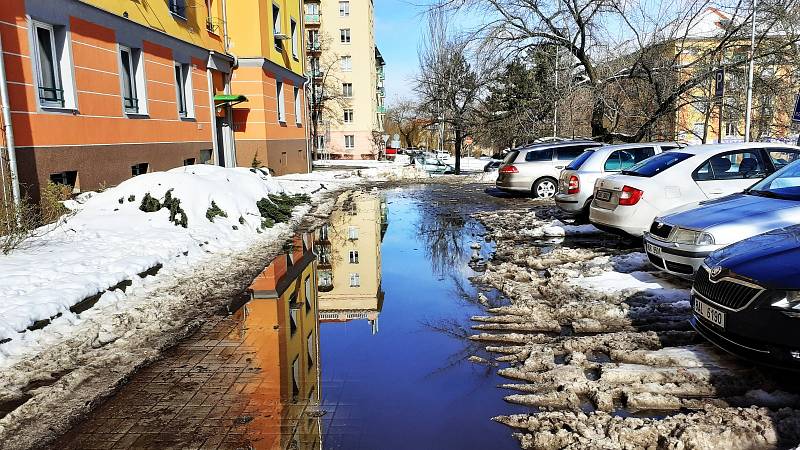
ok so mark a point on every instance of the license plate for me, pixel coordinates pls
(709, 313)
(603, 196)
(655, 250)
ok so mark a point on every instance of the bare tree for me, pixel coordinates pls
(450, 83)
(639, 62)
(404, 118)
(325, 91)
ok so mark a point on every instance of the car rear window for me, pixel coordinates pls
(510, 157)
(657, 164)
(578, 162)
(539, 155)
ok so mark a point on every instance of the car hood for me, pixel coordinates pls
(738, 212)
(769, 259)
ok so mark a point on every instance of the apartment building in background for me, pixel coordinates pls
(270, 126)
(104, 90)
(341, 39)
(349, 268)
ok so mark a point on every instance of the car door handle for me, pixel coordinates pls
(559, 167)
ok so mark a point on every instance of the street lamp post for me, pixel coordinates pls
(748, 114)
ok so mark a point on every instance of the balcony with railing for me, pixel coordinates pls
(313, 19)
(313, 46)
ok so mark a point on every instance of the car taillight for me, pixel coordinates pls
(630, 196)
(508, 169)
(574, 185)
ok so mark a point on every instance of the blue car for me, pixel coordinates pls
(746, 298)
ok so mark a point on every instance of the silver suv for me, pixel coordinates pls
(535, 169)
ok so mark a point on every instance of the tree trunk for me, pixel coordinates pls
(459, 139)
(598, 128)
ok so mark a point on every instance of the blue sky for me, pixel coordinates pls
(398, 26)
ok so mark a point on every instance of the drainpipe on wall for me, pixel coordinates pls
(309, 147)
(214, 137)
(9, 130)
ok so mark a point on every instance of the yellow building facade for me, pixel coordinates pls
(270, 127)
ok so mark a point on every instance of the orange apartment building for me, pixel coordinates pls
(283, 330)
(103, 90)
(100, 91)
(270, 128)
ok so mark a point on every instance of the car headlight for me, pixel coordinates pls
(692, 237)
(705, 239)
(787, 300)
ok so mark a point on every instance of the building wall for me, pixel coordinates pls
(260, 135)
(95, 137)
(363, 76)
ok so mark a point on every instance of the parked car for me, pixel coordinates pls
(576, 184)
(536, 168)
(678, 243)
(631, 200)
(746, 298)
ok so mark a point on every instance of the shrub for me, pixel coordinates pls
(241, 220)
(17, 223)
(150, 204)
(214, 211)
(176, 213)
(50, 202)
(278, 208)
(132, 198)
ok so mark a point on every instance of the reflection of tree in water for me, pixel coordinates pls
(460, 332)
(442, 236)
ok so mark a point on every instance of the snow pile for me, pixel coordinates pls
(557, 228)
(111, 239)
(651, 285)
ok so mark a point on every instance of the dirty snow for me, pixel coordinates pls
(598, 342)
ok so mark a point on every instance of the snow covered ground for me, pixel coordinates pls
(106, 246)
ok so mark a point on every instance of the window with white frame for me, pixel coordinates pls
(178, 8)
(352, 233)
(298, 110)
(295, 45)
(355, 280)
(344, 35)
(280, 100)
(309, 293)
(347, 64)
(344, 9)
(353, 256)
(133, 82)
(347, 90)
(348, 116)
(183, 87)
(53, 66)
(310, 348)
(277, 30)
(349, 141)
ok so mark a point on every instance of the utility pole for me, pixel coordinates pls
(749, 107)
(555, 100)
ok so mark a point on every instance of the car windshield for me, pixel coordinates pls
(784, 184)
(578, 162)
(657, 164)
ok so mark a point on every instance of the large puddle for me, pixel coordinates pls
(354, 338)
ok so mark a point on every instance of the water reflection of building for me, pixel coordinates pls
(349, 251)
(281, 326)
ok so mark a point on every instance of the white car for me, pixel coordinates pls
(576, 185)
(632, 199)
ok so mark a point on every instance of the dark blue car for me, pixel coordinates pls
(746, 298)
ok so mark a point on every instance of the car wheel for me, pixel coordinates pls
(544, 188)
